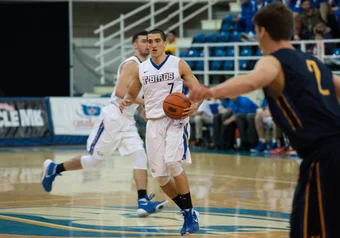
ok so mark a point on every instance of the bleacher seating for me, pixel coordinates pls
(200, 64)
(220, 51)
(192, 53)
(229, 64)
(217, 64)
(245, 51)
(231, 30)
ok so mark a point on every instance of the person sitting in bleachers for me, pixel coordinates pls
(264, 121)
(202, 116)
(321, 31)
(306, 21)
(246, 126)
(260, 4)
(224, 111)
(224, 122)
(326, 14)
(332, 20)
(297, 8)
(244, 19)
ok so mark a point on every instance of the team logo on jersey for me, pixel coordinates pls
(158, 78)
(123, 222)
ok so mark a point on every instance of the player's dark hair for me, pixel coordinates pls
(277, 19)
(158, 31)
(141, 33)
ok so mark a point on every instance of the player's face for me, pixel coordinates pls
(156, 45)
(141, 44)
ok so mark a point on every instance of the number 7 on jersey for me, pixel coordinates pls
(172, 87)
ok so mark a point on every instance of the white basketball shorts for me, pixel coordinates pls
(114, 131)
(167, 140)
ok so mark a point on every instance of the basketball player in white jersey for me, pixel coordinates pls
(116, 131)
(166, 139)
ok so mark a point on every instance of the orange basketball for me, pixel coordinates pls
(174, 104)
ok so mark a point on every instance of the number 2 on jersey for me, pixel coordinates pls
(313, 67)
(172, 87)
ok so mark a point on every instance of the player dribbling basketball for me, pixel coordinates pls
(166, 139)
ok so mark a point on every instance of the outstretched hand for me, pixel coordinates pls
(199, 92)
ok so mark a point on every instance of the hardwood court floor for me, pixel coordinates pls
(236, 196)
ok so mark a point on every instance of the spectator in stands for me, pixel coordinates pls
(264, 121)
(295, 6)
(324, 7)
(171, 39)
(321, 31)
(224, 112)
(260, 4)
(246, 125)
(306, 21)
(333, 18)
(337, 17)
(225, 122)
(244, 20)
(202, 116)
(336, 10)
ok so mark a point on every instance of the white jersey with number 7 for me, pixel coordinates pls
(158, 82)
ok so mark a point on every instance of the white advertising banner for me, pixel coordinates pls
(75, 116)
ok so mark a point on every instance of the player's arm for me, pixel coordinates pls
(336, 80)
(264, 73)
(125, 78)
(189, 78)
(190, 81)
(132, 92)
(134, 89)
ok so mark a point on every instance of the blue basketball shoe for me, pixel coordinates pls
(261, 146)
(190, 224)
(272, 146)
(146, 207)
(49, 175)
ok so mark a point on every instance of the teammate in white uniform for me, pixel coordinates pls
(116, 131)
(166, 139)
